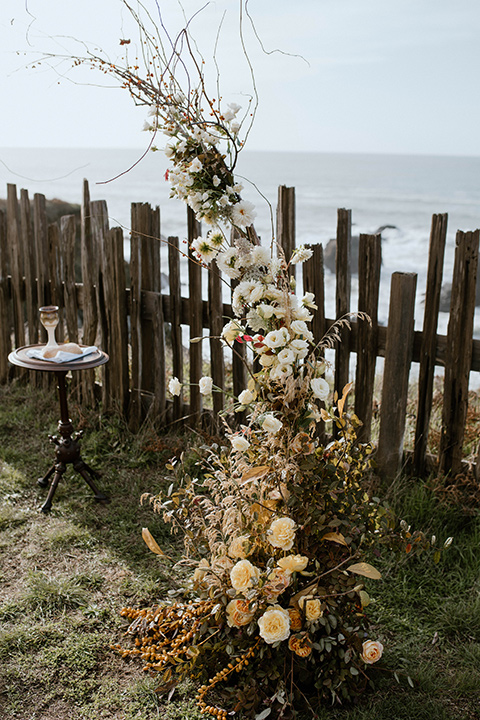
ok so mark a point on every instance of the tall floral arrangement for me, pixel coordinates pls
(278, 527)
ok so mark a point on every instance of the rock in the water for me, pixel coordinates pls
(330, 252)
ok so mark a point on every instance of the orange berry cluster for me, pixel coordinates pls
(219, 677)
(164, 633)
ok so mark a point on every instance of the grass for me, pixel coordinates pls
(64, 577)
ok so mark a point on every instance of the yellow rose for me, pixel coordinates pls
(238, 613)
(296, 621)
(312, 607)
(371, 651)
(243, 574)
(199, 573)
(300, 646)
(274, 624)
(293, 563)
(237, 547)
(281, 533)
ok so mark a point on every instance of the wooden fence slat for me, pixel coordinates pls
(89, 264)
(40, 231)
(286, 222)
(55, 273)
(31, 305)
(342, 263)
(398, 358)
(216, 323)
(5, 319)
(175, 320)
(160, 397)
(369, 267)
(196, 330)
(100, 230)
(459, 351)
(67, 245)
(115, 302)
(16, 263)
(89, 305)
(436, 253)
(135, 410)
(314, 282)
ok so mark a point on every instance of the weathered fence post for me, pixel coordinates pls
(16, 262)
(195, 350)
(40, 231)
(438, 234)
(175, 322)
(286, 222)
(89, 305)
(459, 351)
(67, 244)
(115, 302)
(342, 265)
(369, 266)
(5, 319)
(314, 282)
(216, 323)
(398, 358)
(30, 267)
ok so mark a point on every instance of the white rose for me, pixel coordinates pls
(271, 424)
(205, 384)
(246, 397)
(286, 356)
(239, 443)
(267, 360)
(175, 386)
(299, 347)
(320, 388)
(274, 624)
(231, 331)
(371, 651)
(243, 575)
(281, 533)
(276, 338)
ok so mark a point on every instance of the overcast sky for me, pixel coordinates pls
(388, 76)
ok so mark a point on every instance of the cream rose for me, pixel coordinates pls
(271, 424)
(320, 388)
(274, 624)
(238, 613)
(237, 547)
(175, 386)
(281, 533)
(372, 651)
(243, 575)
(239, 443)
(293, 563)
(231, 331)
(312, 607)
(205, 384)
(202, 568)
(246, 397)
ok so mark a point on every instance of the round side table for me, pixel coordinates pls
(67, 446)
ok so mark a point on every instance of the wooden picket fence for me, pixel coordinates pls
(38, 267)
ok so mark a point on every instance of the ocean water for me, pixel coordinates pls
(397, 190)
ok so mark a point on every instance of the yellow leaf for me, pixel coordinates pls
(363, 568)
(324, 414)
(335, 537)
(256, 473)
(152, 543)
(364, 598)
(341, 402)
